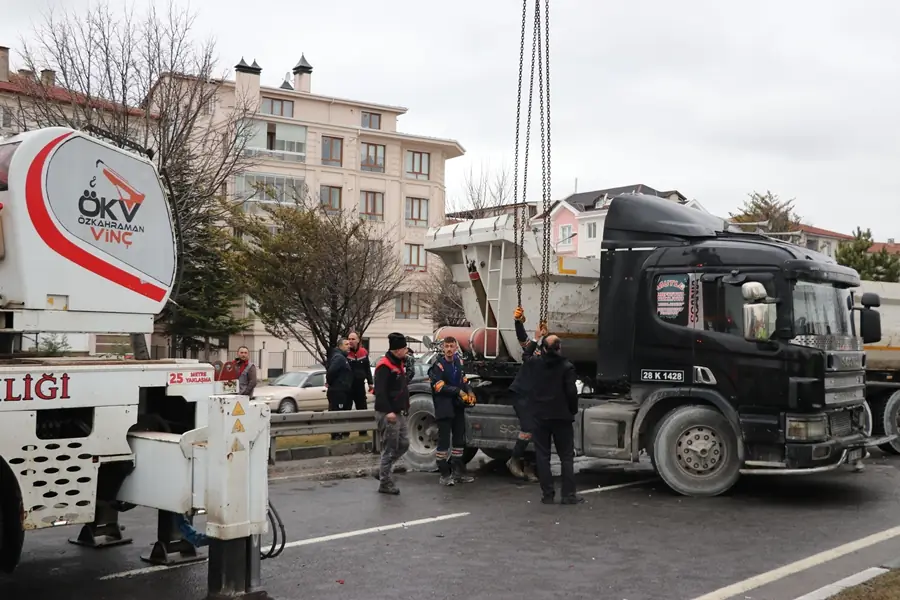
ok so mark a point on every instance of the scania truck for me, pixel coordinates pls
(718, 353)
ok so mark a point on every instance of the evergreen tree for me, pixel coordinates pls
(768, 207)
(871, 266)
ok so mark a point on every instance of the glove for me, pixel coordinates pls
(371, 389)
(519, 314)
(469, 400)
(462, 395)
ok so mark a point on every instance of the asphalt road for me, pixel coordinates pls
(495, 540)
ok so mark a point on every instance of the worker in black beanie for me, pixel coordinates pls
(392, 409)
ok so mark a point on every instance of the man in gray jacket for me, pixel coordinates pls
(246, 372)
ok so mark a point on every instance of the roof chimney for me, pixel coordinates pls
(4, 63)
(48, 77)
(246, 81)
(302, 75)
(890, 240)
(26, 73)
(286, 84)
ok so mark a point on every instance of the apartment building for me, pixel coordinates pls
(351, 155)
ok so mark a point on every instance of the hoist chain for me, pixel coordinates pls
(540, 58)
(519, 227)
(544, 95)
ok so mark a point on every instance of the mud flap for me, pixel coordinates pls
(12, 536)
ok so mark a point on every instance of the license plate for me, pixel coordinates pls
(855, 455)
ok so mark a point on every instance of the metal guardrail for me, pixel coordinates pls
(317, 423)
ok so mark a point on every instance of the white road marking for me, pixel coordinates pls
(837, 587)
(800, 565)
(147, 570)
(349, 534)
(619, 486)
(306, 542)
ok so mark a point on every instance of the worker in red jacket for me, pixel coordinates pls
(358, 357)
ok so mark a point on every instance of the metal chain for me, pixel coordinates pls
(545, 291)
(545, 187)
(519, 228)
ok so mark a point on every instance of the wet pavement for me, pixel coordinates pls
(636, 542)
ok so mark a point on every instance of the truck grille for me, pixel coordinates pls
(840, 423)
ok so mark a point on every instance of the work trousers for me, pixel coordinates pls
(338, 400)
(451, 441)
(394, 444)
(526, 428)
(562, 434)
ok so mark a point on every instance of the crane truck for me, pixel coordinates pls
(717, 353)
(87, 245)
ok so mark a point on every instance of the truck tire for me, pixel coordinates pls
(423, 435)
(12, 536)
(708, 471)
(885, 414)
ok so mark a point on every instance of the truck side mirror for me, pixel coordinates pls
(870, 300)
(870, 325)
(759, 321)
(753, 291)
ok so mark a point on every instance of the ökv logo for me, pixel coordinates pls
(111, 219)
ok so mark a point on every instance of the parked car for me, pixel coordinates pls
(298, 391)
(294, 392)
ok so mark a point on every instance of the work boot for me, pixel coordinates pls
(515, 467)
(572, 500)
(459, 473)
(530, 476)
(546, 499)
(388, 488)
(447, 480)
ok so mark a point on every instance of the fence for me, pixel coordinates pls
(317, 423)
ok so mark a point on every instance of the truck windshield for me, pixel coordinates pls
(820, 309)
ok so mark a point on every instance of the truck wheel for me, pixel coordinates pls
(886, 414)
(695, 451)
(423, 434)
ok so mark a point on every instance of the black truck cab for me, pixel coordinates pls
(694, 313)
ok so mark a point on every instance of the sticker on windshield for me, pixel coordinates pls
(670, 296)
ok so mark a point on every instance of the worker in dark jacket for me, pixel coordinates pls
(554, 404)
(392, 409)
(358, 357)
(339, 379)
(517, 464)
(451, 393)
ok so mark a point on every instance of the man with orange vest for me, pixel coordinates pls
(392, 409)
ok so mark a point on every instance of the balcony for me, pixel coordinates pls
(282, 155)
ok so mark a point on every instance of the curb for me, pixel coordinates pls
(833, 589)
(322, 451)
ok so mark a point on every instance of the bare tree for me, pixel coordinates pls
(483, 193)
(142, 82)
(314, 274)
(442, 298)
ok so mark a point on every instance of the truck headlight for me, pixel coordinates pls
(806, 429)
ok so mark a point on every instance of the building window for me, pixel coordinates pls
(372, 158)
(591, 231)
(371, 206)
(565, 235)
(254, 189)
(371, 120)
(417, 164)
(406, 306)
(278, 108)
(414, 257)
(332, 151)
(330, 197)
(417, 212)
(278, 141)
(6, 115)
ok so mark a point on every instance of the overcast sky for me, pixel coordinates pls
(707, 97)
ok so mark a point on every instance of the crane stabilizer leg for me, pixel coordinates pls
(222, 469)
